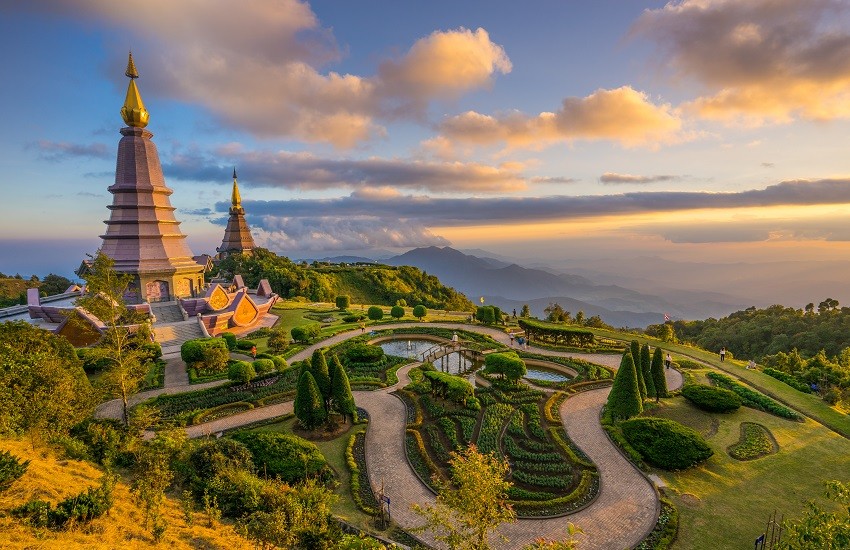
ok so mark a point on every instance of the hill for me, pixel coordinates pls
(321, 282)
(52, 478)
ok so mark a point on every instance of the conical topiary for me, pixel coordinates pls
(341, 396)
(646, 370)
(658, 377)
(309, 408)
(624, 400)
(319, 369)
(635, 351)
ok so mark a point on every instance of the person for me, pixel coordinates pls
(722, 354)
(254, 352)
(362, 328)
(514, 313)
(519, 341)
(511, 336)
(454, 339)
(751, 365)
(667, 361)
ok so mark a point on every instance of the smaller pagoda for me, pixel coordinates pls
(237, 235)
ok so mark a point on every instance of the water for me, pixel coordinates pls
(413, 349)
(537, 373)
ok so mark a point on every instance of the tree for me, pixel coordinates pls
(278, 341)
(473, 504)
(646, 370)
(658, 378)
(419, 311)
(635, 351)
(121, 347)
(580, 317)
(508, 365)
(309, 408)
(341, 396)
(625, 401)
(525, 311)
(397, 312)
(401, 302)
(556, 314)
(54, 284)
(486, 315)
(153, 474)
(375, 313)
(43, 387)
(241, 372)
(305, 333)
(821, 528)
(321, 374)
(343, 302)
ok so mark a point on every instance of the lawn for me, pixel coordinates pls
(725, 503)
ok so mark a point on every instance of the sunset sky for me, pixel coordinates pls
(709, 130)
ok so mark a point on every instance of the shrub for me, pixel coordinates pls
(342, 302)
(214, 360)
(287, 456)
(305, 333)
(420, 311)
(214, 457)
(666, 443)
(241, 372)
(245, 345)
(192, 351)
(263, 366)
(712, 399)
(353, 318)
(375, 313)
(624, 401)
(397, 312)
(80, 508)
(11, 469)
(364, 353)
(230, 338)
(279, 363)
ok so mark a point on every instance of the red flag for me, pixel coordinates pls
(666, 317)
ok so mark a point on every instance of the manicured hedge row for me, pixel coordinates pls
(580, 496)
(557, 334)
(552, 407)
(532, 415)
(221, 411)
(788, 379)
(752, 398)
(712, 399)
(576, 456)
(666, 527)
(666, 443)
(515, 451)
(541, 480)
(358, 477)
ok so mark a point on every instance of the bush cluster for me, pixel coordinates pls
(11, 469)
(287, 456)
(666, 443)
(305, 333)
(241, 372)
(752, 398)
(712, 399)
(230, 338)
(75, 510)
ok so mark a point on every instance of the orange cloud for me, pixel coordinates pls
(623, 114)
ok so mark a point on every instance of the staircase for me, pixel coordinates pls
(172, 335)
(167, 312)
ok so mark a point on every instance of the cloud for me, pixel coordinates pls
(305, 171)
(197, 211)
(55, 151)
(611, 178)
(433, 212)
(552, 179)
(759, 60)
(624, 115)
(89, 194)
(833, 229)
(767, 165)
(283, 234)
(260, 68)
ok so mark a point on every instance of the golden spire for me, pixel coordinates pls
(133, 112)
(235, 198)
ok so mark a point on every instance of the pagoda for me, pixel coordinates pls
(237, 235)
(142, 235)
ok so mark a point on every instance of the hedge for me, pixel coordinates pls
(450, 386)
(364, 353)
(712, 399)
(557, 334)
(752, 398)
(192, 351)
(666, 443)
(354, 469)
(788, 379)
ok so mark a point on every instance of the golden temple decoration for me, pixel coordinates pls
(133, 112)
(235, 197)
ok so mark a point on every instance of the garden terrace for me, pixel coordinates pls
(549, 476)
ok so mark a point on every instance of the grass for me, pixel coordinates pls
(808, 404)
(739, 496)
(53, 479)
(334, 452)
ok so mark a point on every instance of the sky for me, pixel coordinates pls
(695, 130)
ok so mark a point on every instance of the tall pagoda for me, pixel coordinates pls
(142, 235)
(237, 235)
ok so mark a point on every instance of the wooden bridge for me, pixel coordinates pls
(469, 353)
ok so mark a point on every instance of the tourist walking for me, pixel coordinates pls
(511, 336)
(667, 361)
(519, 341)
(723, 354)
(254, 352)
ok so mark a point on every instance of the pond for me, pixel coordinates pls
(413, 348)
(537, 373)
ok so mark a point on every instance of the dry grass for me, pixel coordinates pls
(52, 479)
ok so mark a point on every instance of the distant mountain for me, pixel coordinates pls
(511, 283)
(612, 317)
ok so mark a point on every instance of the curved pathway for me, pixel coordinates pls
(621, 516)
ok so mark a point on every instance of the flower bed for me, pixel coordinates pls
(221, 411)
(755, 442)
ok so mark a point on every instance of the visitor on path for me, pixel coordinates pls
(519, 341)
(454, 339)
(667, 361)
(511, 336)
(254, 352)
(751, 365)
(514, 313)
(722, 354)
(362, 328)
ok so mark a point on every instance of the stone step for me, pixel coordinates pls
(168, 312)
(174, 334)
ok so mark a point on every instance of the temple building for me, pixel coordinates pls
(142, 235)
(237, 235)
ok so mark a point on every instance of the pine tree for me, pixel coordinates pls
(308, 402)
(319, 369)
(635, 351)
(646, 369)
(624, 400)
(658, 377)
(343, 400)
